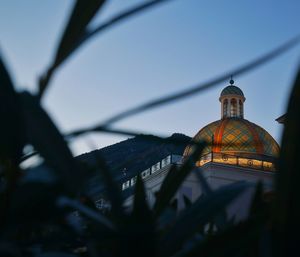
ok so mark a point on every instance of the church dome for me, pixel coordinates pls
(236, 136)
(233, 139)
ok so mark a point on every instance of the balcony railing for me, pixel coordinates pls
(237, 161)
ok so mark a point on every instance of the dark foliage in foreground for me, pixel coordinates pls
(37, 209)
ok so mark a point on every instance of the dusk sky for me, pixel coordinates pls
(166, 49)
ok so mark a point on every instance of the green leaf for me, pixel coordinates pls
(243, 239)
(257, 204)
(86, 211)
(82, 14)
(34, 202)
(187, 201)
(174, 204)
(11, 129)
(286, 211)
(121, 17)
(141, 209)
(221, 220)
(77, 31)
(200, 213)
(112, 189)
(55, 254)
(203, 183)
(140, 230)
(47, 140)
(165, 220)
(174, 179)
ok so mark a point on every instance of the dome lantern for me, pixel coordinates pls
(232, 101)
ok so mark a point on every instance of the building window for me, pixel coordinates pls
(145, 173)
(125, 185)
(133, 180)
(155, 167)
(225, 107)
(233, 108)
(166, 161)
(241, 111)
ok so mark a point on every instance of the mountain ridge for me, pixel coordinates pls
(127, 158)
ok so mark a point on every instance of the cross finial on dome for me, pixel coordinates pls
(231, 80)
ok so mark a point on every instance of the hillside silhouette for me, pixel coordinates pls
(130, 157)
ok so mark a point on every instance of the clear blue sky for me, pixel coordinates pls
(166, 49)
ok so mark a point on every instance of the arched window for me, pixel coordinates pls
(225, 108)
(241, 111)
(233, 108)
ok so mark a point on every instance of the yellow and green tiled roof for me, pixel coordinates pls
(234, 136)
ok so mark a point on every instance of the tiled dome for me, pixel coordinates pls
(232, 90)
(238, 137)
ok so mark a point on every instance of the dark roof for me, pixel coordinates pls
(232, 90)
(281, 119)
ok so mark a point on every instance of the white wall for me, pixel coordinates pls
(217, 175)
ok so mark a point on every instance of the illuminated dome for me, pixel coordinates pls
(233, 139)
(236, 136)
